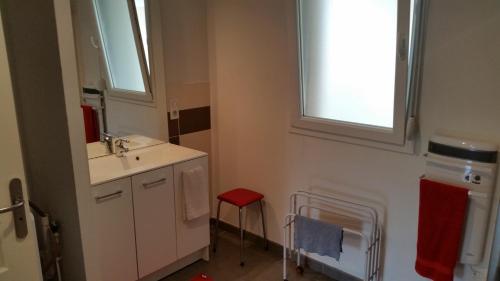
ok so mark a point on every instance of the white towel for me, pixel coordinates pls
(195, 191)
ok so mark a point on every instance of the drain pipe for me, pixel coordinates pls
(49, 243)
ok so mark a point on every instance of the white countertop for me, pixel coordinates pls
(111, 167)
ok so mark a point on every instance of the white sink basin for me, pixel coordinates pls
(138, 141)
(100, 149)
(111, 167)
(96, 149)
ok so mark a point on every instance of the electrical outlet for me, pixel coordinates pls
(174, 110)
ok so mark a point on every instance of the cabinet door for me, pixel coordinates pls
(113, 229)
(195, 234)
(154, 214)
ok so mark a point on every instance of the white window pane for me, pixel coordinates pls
(118, 40)
(141, 18)
(349, 60)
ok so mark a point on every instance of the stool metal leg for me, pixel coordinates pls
(217, 226)
(242, 263)
(263, 225)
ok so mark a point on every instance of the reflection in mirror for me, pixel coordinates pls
(140, 8)
(123, 50)
(114, 64)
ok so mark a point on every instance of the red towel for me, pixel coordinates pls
(440, 227)
(91, 124)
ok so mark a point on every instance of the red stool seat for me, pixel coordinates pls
(202, 277)
(240, 197)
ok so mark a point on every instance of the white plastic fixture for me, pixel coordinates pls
(472, 165)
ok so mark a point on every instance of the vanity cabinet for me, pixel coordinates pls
(191, 235)
(113, 231)
(139, 225)
(154, 215)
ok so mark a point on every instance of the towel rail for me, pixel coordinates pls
(340, 207)
(470, 193)
(330, 199)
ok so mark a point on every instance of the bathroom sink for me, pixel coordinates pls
(96, 149)
(138, 141)
(111, 167)
(100, 149)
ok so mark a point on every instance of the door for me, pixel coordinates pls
(154, 213)
(113, 226)
(19, 259)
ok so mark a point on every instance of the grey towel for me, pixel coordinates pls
(315, 236)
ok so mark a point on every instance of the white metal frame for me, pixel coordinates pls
(147, 95)
(337, 206)
(393, 136)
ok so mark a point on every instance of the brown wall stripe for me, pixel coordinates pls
(194, 120)
(190, 121)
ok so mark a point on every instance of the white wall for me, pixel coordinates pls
(252, 68)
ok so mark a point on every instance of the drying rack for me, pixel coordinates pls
(339, 207)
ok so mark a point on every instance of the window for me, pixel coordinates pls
(123, 32)
(354, 68)
(140, 8)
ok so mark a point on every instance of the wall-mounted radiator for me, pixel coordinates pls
(471, 165)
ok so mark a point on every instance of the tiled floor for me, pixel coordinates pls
(260, 265)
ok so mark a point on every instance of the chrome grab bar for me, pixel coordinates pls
(12, 208)
(150, 184)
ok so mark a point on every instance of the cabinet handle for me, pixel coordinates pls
(150, 184)
(107, 196)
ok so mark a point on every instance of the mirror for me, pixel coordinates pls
(113, 49)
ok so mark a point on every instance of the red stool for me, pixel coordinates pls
(202, 277)
(240, 197)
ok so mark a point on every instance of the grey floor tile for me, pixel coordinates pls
(260, 265)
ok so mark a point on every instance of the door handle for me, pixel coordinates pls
(108, 196)
(153, 183)
(17, 208)
(12, 208)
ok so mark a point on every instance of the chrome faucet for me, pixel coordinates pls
(120, 148)
(107, 138)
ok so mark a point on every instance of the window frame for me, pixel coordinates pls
(147, 96)
(355, 132)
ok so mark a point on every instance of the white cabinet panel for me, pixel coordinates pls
(195, 234)
(113, 229)
(154, 212)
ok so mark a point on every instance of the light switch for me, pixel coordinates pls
(174, 110)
